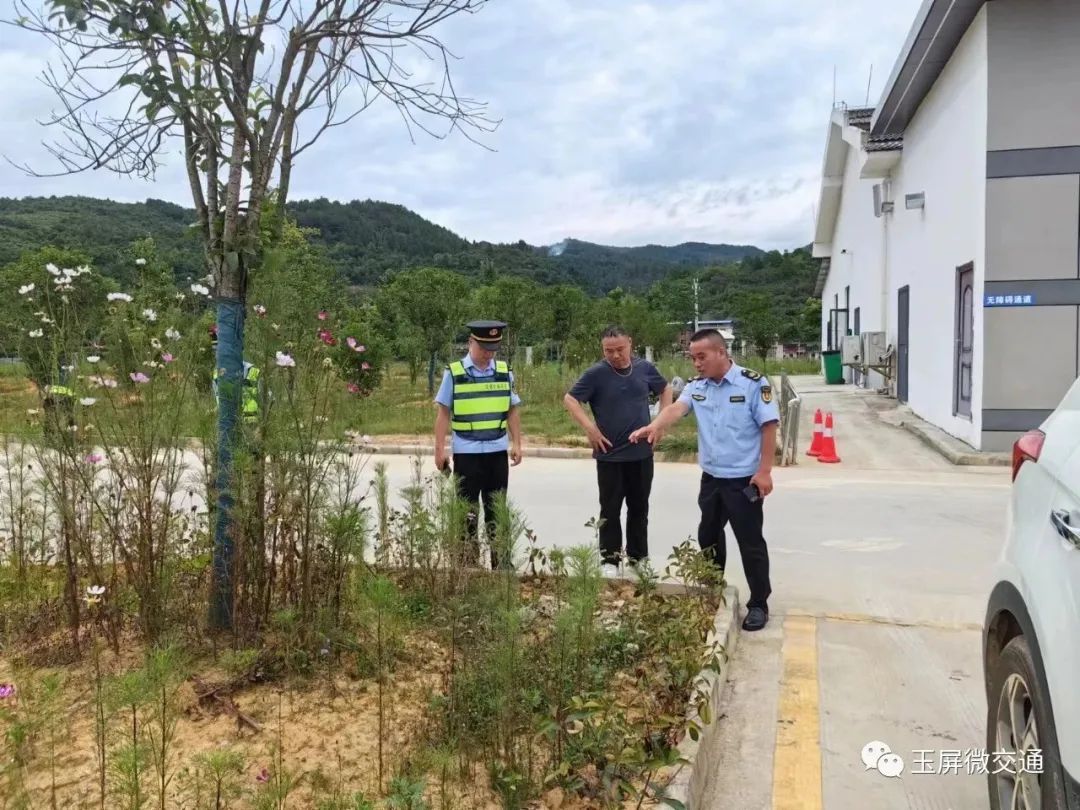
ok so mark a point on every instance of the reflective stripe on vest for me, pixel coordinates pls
(481, 404)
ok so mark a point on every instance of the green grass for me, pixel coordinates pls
(402, 408)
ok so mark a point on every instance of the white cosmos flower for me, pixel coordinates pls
(36, 333)
(200, 289)
(172, 334)
(150, 315)
(26, 289)
(119, 297)
(92, 358)
(140, 262)
(53, 269)
(285, 361)
(87, 401)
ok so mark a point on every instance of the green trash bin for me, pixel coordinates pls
(834, 370)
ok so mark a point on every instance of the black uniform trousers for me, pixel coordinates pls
(481, 476)
(629, 481)
(722, 501)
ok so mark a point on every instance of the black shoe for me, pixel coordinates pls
(756, 619)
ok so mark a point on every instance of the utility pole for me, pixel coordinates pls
(695, 303)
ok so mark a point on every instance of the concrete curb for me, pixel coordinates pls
(531, 452)
(687, 785)
(429, 450)
(951, 449)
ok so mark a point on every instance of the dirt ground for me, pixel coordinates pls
(326, 728)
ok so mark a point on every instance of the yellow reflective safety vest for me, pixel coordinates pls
(249, 405)
(249, 396)
(481, 404)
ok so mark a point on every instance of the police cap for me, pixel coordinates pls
(488, 333)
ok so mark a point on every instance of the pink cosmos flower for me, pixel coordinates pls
(263, 777)
(7, 690)
(365, 365)
(167, 358)
(94, 458)
(323, 315)
(139, 377)
(353, 388)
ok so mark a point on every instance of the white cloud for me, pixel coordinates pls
(622, 122)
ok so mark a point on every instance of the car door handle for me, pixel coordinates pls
(1060, 519)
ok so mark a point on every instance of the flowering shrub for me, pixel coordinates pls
(57, 310)
(364, 354)
(125, 382)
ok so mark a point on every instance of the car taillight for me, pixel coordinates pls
(1027, 448)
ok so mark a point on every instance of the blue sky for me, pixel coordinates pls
(623, 122)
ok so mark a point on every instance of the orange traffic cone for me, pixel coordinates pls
(828, 450)
(818, 442)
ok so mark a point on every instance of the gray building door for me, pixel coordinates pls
(902, 321)
(965, 339)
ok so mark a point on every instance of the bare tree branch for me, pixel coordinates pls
(239, 89)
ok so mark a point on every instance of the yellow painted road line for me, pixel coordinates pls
(797, 759)
(864, 618)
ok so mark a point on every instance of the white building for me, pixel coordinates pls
(949, 215)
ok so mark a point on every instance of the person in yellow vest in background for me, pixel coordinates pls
(249, 394)
(59, 406)
(478, 403)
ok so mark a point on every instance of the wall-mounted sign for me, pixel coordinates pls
(1024, 300)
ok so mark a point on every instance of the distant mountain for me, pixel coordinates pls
(102, 229)
(605, 267)
(367, 240)
(691, 253)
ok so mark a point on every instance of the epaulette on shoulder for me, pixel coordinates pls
(753, 375)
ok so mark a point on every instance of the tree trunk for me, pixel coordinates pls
(431, 374)
(229, 363)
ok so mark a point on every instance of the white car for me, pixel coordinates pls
(1031, 636)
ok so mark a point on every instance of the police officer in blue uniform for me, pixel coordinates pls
(737, 419)
(477, 401)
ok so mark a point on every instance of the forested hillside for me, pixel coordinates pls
(365, 240)
(405, 265)
(102, 229)
(604, 268)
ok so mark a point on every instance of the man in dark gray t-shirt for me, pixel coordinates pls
(617, 390)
